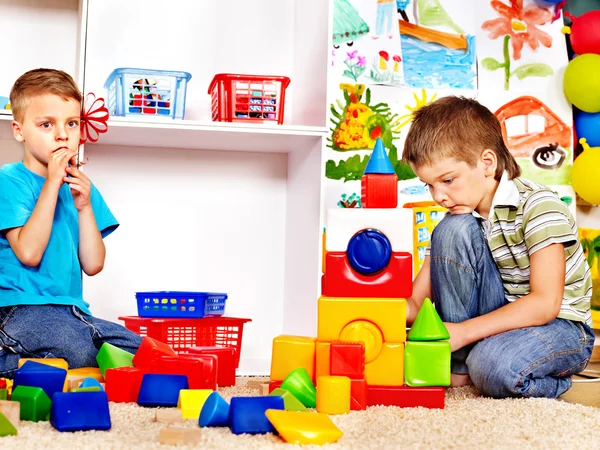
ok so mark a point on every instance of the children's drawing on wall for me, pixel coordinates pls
(366, 42)
(437, 52)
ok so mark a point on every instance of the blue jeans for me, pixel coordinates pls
(527, 362)
(57, 331)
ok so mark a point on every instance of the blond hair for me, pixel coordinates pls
(41, 82)
(459, 128)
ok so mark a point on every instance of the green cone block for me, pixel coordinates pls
(111, 357)
(299, 383)
(428, 325)
(6, 428)
(290, 403)
(35, 404)
(427, 363)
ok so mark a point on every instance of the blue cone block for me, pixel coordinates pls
(161, 390)
(79, 411)
(379, 161)
(50, 379)
(91, 382)
(247, 414)
(215, 412)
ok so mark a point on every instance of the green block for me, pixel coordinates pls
(427, 363)
(299, 383)
(290, 403)
(6, 428)
(35, 404)
(428, 325)
(111, 357)
(3, 394)
(86, 389)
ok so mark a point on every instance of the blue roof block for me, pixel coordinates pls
(379, 161)
(161, 390)
(247, 414)
(50, 379)
(79, 411)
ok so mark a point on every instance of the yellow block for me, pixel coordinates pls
(91, 372)
(297, 427)
(322, 359)
(292, 352)
(333, 395)
(191, 402)
(54, 362)
(389, 314)
(388, 368)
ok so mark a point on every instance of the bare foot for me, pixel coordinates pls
(457, 380)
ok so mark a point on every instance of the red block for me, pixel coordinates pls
(151, 349)
(340, 279)
(358, 395)
(201, 370)
(347, 359)
(274, 385)
(406, 396)
(122, 384)
(226, 362)
(379, 190)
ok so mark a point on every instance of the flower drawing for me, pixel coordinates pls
(355, 64)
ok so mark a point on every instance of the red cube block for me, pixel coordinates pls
(122, 384)
(347, 359)
(406, 396)
(379, 190)
(201, 370)
(274, 385)
(358, 395)
(226, 362)
(150, 350)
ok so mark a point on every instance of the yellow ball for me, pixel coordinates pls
(585, 172)
(581, 82)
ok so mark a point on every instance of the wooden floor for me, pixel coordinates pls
(586, 393)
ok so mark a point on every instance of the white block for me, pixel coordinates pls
(395, 223)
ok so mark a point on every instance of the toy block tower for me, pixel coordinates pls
(379, 183)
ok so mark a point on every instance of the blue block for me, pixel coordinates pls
(78, 411)
(215, 412)
(247, 414)
(90, 382)
(34, 374)
(379, 161)
(161, 390)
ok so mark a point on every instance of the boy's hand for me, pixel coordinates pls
(458, 338)
(81, 187)
(57, 165)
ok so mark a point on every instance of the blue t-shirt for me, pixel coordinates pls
(57, 279)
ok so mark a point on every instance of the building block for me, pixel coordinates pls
(255, 383)
(322, 358)
(341, 280)
(333, 395)
(247, 414)
(180, 436)
(379, 191)
(389, 315)
(297, 427)
(215, 412)
(91, 382)
(369, 252)
(86, 389)
(347, 359)
(123, 384)
(368, 334)
(191, 402)
(54, 362)
(388, 368)
(3, 384)
(264, 389)
(3, 394)
(85, 372)
(226, 362)
(51, 379)
(428, 325)
(35, 404)
(427, 363)
(168, 415)
(291, 352)
(12, 411)
(161, 390)
(379, 162)
(343, 223)
(80, 411)
(358, 395)
(110, 357)
(290, 403)
(201, 370)
(406, 396)
(149, 350)
(300, 384)
(6, 427)
(274, 385)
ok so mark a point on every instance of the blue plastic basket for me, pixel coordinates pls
(146, 92)
(180, 304)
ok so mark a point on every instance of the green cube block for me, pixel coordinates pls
(35, 404)
(290, 403)
(3, 394)
(87, 389)
(111, 357)
(427, 363)
(6, 428)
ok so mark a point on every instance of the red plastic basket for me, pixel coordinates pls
(181, 334)
(248, 98)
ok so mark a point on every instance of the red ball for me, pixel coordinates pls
(585, 37)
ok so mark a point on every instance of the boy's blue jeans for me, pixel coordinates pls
(466, 283)
(57, 331)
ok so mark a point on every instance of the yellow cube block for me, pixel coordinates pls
(292, 352)
(333, 395)
(322, 359)
(299, 427)
(91, 372)
(191, 402)
(54, 362)
(388, 368)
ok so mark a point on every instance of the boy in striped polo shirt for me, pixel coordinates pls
(505, 269)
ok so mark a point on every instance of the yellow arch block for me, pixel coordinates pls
(388, 368)
(292, 352)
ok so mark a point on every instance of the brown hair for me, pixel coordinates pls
(41, 82)
(460, 128)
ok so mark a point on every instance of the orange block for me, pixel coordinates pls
(322, 359)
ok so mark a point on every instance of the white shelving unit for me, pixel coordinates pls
(231, 207)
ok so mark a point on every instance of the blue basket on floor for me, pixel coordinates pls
(145, 92)
(178, 304)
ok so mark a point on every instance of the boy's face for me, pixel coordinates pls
(49, 123)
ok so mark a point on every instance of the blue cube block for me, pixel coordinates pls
(50, 379)
(161, 390)
(91, 382)
(247, 414)
(78, 411)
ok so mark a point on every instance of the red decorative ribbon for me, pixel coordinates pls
(94, 118)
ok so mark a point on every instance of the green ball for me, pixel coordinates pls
(582, 82)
